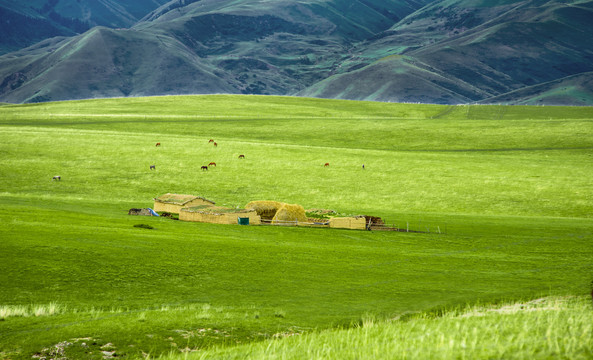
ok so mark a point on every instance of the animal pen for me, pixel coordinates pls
(282, 214)
(198, 209)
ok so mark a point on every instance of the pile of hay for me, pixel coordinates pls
(265, 209)
(290, 212)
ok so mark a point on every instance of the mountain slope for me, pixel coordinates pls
(20, 28)
(480, 51)
(572, 90)
(253, 47)
(434, 51)
(25, 23)
(137, 65)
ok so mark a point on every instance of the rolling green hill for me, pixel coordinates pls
(501, 195)
(114, 76)
(271, 48)
(439, 51)
(464, 51)
(569, 90)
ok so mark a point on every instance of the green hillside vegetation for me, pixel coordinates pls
(443, 51)
(464, 51)
(136, 53)
(569, 90)
(209, 46)
(500, 193)
(533, 330)
(20, 30)
(26, 23)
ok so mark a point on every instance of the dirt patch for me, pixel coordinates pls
(139, 212)
(78, 348)
(169, 215)
(374, 220)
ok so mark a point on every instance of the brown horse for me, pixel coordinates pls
(152, 167)
(158, 144)
(326, 165)
(204, 168)
(215, 144)
(241, 156)
(212, 164)
(210, 141)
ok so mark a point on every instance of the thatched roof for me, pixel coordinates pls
(179, 199)
(215, 210)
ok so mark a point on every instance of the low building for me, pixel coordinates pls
(219, 215)
(173, 203)
(355, 222)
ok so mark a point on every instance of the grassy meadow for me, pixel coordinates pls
(502, 195)
(558, 328)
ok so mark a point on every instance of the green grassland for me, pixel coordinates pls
(501, 193)
(558, 328)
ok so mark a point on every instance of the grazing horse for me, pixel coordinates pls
(57, 177)
(210, 141)
(212, 164)
(326, 165)
(152, 167)
(215, 144)
(204, 167)
(241, 156)
(158, 144)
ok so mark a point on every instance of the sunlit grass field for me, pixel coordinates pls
(558, 328)
(502, 194)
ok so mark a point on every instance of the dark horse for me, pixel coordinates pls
(152, 167)
(204, 167)
(326, 165)
(57, 177)
(210, 141)
(241, 156)
(158, 144)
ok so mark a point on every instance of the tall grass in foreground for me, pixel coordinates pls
(52, 308)
(558, 328)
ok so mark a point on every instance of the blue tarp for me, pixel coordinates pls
(152, 212)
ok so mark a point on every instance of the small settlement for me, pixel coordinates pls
(199, 209)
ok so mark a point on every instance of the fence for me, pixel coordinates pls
(293, 223)
(408, 226)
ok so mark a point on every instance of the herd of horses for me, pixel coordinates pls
(204, 167)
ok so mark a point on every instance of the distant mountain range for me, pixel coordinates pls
(431, 51)
(24, 23)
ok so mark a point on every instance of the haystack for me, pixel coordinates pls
(265, 209)
(290, 212)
